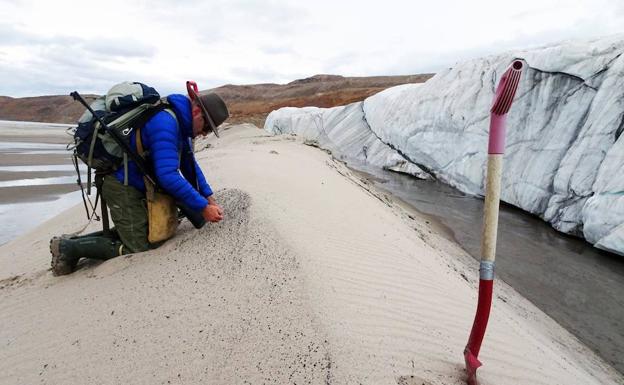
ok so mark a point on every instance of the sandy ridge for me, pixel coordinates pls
(313, 278)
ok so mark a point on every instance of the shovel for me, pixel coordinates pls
(503, 99)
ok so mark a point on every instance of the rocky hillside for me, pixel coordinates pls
(252, 103)
(47, 109)
(247, 103)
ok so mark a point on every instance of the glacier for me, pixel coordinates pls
(565, 149)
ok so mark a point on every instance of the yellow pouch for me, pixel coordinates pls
(162, 212)
(162, 215)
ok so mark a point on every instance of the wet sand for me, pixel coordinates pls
(314, 276)
(19, 175)
(33, 159)
(10, 195)
(11, 131)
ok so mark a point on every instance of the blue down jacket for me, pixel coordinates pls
(168, 144)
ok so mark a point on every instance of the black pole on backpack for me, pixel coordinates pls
(99, 180)
(196, 218)
(140, 162)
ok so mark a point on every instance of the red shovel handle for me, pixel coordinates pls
(191, 88)
(507, 87)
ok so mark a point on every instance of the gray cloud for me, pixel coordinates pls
(230, 20)
(267, 74)
(415, 61)
(37, 81)
(62, 63)
(58, 73)
(252, 41)
(123, 48)
(59, 70)
(277, 49)
(277, 16)
(619, 9)
(528, 14)
(9, 35)
(101, 47)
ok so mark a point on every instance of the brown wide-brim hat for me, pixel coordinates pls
(214, 109)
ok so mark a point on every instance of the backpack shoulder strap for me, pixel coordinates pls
(150, 113)
(170, 111)
(139, 143)
(149, 187)
(144, 118)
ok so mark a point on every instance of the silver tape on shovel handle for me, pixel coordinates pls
(486, 270)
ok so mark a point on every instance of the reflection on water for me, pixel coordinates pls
(37, 152)
(38, 126)
(39, 181)
(26, 146)
(46, 167)
(19, 218)
(31, 148)
(578, 285)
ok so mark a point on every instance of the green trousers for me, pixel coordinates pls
(128, 210)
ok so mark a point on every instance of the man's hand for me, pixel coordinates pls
(213, 202)
(212, 213)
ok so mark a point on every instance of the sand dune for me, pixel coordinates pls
(313, 277)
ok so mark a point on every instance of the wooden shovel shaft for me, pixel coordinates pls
(491, 206)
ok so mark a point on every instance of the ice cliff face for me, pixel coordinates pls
(564, 158)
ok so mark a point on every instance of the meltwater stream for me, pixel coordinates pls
(579, 286)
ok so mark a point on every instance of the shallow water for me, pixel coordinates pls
(28, 194)
(31, 146)
(45, 167)
(19, 218)
(39, 181)
(579, 286)
(20, 125)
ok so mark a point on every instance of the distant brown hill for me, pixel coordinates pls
(48, 109)
(252, 103)
(247, 103)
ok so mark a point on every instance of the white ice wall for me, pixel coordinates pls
(564, 156)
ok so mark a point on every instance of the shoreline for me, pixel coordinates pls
(37, 177)
(297, 276)
(17, 131)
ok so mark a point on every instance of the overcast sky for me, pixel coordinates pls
(54, 47)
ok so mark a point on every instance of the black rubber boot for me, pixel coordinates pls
(66, 252)
(112, 234)
(62, 263)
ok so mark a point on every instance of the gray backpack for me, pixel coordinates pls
(125, 107)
